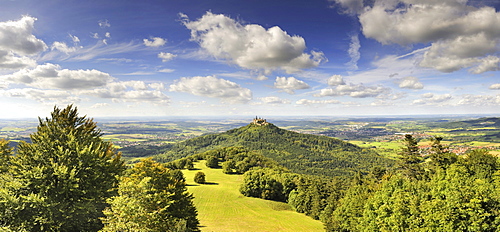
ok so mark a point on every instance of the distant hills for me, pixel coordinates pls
(479, 123)
(301, 153)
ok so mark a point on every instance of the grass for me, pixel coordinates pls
(221, 207)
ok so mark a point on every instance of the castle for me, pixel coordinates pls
(259, 121)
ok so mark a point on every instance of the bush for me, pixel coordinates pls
(199, 178)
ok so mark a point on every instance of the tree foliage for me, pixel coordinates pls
(199, 178)
(151, 198)
(61, 180)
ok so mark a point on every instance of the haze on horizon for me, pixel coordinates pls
(212, 58)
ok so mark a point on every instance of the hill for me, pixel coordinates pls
(475, 123)
(301, 153)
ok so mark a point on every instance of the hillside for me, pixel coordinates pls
(221, 207)
(301, 153)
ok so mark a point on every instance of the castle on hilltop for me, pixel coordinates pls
(259, 121)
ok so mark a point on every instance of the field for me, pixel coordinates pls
(221, 207)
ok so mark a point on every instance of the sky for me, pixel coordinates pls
(255, 57)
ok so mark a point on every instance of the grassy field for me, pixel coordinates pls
(221, 207)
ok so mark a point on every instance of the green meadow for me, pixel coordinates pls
(221, 207)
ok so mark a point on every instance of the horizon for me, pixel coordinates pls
(292, 58)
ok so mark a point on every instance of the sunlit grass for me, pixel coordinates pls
(221, 207)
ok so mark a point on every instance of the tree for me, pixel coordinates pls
(61, 180)
(199, 178)
(5, 155)
(440, 157)
(151, 198)
(212, 162)
(410, 160)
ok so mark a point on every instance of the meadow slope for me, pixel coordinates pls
(221, 207)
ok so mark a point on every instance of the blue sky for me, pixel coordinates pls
(280, 57)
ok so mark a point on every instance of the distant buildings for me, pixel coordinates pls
(259, 121)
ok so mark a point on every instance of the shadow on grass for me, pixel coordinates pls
(206, 183)
(210, 183)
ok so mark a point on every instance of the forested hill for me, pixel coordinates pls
(480, 123)
(301, 153)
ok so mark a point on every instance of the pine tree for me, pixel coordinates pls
(61, 180)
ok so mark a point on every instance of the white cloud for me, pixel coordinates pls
(88, 53)
(251, 46)
(461, 35)
(9, 60)
(273, 100)
(63, 47)
(313, 102)
(104, 23)
(165, 56)
(479, 100)
(130, 91)
(45, 96)
(99, 105)
(50, 76)
(355, 91)
(432, 99)
(336, 80)
(354, 53)
(166, 70)
(290, 84)
(213, 87)
(155, 42)
(410, 83)
(16, 36)
(74, 38)
(495, 86)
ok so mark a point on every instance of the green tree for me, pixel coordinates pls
(410, 160)
(61, 180)
(199, 178)
(151, 198)
(228, 166)
(440, 156)
(5, 155)
(212, 162)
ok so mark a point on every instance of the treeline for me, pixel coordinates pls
(444, 193)
(301, 153)
(69, 179)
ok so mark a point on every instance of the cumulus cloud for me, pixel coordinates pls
(211, 86)
(273, 100)
(165, 56)
(51, 76)
(17, 43)
(290, 84)
(16, 36)
(495, 86)
(432, 99)
(354, 90)
(460, 35)
(336, 80)
(155, 42)
(410, 83)
(479, 100)
(130, 91)
(63, 47)
(9, 60)
(251, 46)
(313, 102)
